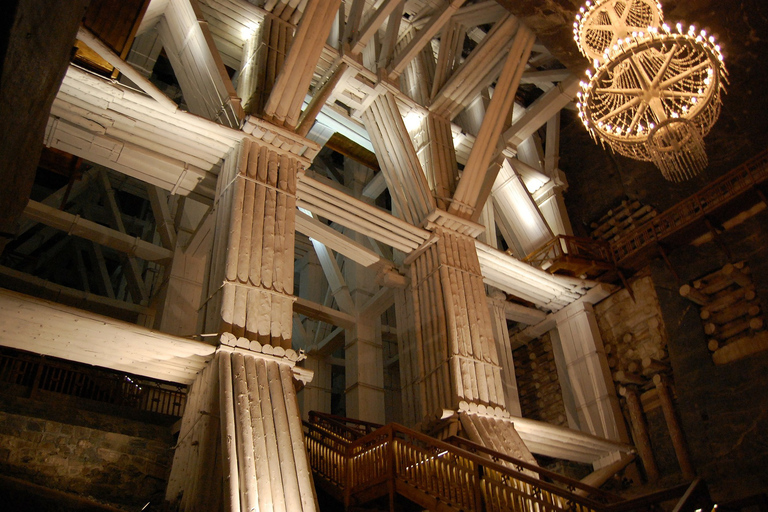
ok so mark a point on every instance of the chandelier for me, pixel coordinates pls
(654, 92)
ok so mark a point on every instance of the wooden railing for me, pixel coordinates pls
(347, 428)
(38, 374)
(437, 474)
(716, 194)
(570, 246)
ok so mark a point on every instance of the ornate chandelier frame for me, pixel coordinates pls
(648, 78)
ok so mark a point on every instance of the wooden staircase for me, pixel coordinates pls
(361, 464)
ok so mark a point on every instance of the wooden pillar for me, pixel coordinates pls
(364, 370)
(673, 425)
(597, 406)
(501, 335)
(438, 158)
(457, 356)
(316, 395)
(640, 433)
(250, 287)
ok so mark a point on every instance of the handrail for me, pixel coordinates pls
(706, 200)
(395, 457)
(565, 245)
(569, 483)
(339, 425)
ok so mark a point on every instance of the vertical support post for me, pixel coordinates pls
(675, 430)
(587, 369)
(640, 433)
(364, 370)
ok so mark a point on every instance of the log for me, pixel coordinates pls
(260, 447)
(245, 450)
(640, 433)
(694, 295)
(732, 329)
(284, 443)
(726, 300)
(736, 275)
(741, 348)
(303, 469)
(628, 378)
(675, 430)
(654, 364)
(733, 312)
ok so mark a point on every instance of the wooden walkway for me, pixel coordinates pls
(358, 465)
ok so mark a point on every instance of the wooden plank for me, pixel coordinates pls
(325, 314)
(422, 38)
(336, 241)
(75, 225)
(78, 335)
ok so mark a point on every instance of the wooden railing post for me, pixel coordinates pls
(391, 469)
(347, 475)
(478, 487)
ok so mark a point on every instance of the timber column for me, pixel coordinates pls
(588, 377)
(241, 444)
(455, 350)
(250, 289)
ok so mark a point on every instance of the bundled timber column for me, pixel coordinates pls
(241, 445)
(247, 394)
(250, 286)
(589, 378)
(501, 335)
(364, 368)
(456, 352)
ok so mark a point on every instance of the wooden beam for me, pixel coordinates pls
(336, 241)
(422, 38)
(541, 111)
(130, 265)
(283, 106)
(372, 25)
(95, 44)
(478, 178)
(85, 337)
(478, 70)
(322, 313)
(76, 225)
(317, 102)
(197, 64)
(22, 282)
(335, 278)
(158, 199)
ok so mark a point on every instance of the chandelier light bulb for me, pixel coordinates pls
(655, 94)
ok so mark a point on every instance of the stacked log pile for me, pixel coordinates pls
(634, 338)
(730, 312)
(617, 221)
(539, 388)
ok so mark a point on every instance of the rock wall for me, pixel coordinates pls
(112, 459)
(723, 408)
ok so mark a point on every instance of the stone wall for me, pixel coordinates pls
(723, 408)
(116, 460)
(540, 395)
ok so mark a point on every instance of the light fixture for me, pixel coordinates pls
(654, 93)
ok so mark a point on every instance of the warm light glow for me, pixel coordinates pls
(413, 120)
(249, 30)
(647, 78)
